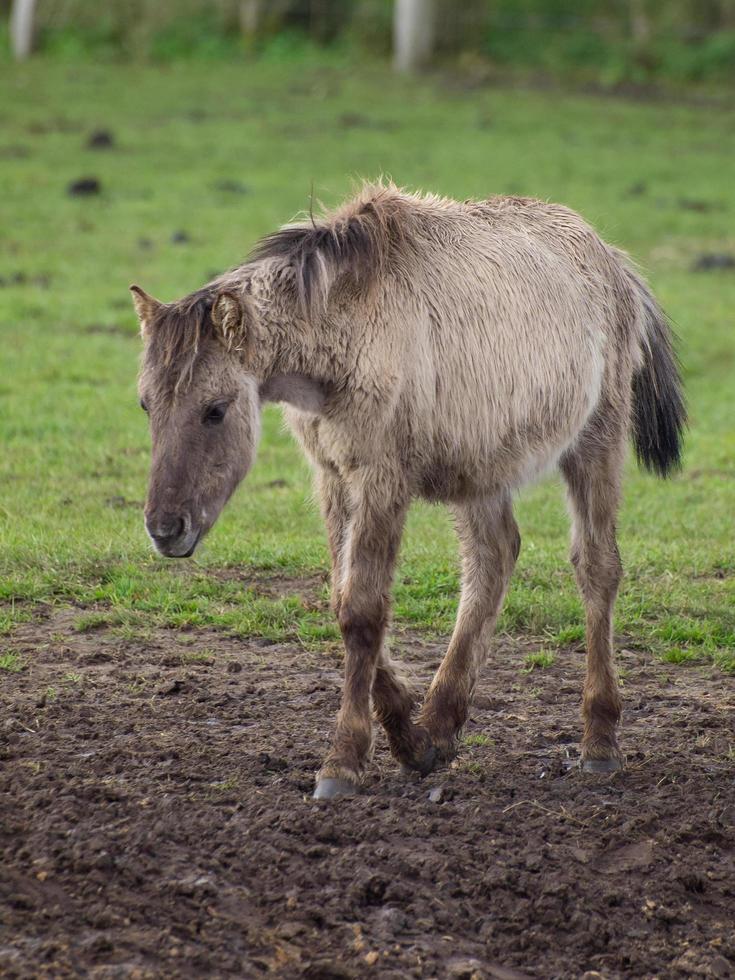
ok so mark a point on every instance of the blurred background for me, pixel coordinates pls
(154, 142)
(624, 41)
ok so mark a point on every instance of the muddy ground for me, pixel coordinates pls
(155, 820)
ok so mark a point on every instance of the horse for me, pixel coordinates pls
(423, 348)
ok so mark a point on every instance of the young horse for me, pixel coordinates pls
(424, 348)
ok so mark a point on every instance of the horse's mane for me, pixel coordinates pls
(178, 330)
(355, 239)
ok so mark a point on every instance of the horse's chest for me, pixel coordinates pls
(321, 442)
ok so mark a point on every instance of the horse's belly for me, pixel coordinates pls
(502, 439)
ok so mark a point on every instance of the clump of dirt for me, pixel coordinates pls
(100, 139)
(713, 260)
(156, 820)
(84, 187)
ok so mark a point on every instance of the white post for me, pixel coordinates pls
(640, 25)
(413, 33)
(21, 27)
(251, 16)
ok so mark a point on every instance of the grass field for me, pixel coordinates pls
(205, 159)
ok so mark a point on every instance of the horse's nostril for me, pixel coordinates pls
(167, 529)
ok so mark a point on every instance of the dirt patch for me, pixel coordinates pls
(155, 821)
(313, 590)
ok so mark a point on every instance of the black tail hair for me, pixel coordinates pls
(659, 411)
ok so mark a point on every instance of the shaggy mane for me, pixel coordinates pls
(354, 240)
(177, 333)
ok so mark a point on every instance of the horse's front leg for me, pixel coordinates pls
(370, 547)
(336, 511)
(394, 697)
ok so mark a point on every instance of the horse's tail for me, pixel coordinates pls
(659, 412)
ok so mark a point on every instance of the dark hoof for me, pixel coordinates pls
(601, 765)
(332, 789)
(423, 764)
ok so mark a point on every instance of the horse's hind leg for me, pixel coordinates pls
(593, 473)
(393, 703)
(490, 543)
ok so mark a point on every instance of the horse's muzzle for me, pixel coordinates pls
(173, 536)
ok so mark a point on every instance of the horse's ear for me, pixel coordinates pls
(145, 306)
(230, 316)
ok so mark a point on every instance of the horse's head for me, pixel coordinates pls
(204, 412)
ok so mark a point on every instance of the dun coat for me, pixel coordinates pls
(423, 348)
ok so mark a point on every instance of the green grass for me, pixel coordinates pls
(654, 178)
(89, 622)
(679, 655)
(203, 656)
(11, 662)
(478, 739)
(538, 661)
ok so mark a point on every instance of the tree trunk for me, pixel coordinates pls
(413, 34)
(21, 27)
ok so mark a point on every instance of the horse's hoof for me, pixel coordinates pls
(332, 789)
(423, 764)
(601, 765)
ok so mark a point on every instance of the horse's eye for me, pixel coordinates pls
(143, 405)
(214, 414)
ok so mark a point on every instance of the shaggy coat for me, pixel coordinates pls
(424, 348)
